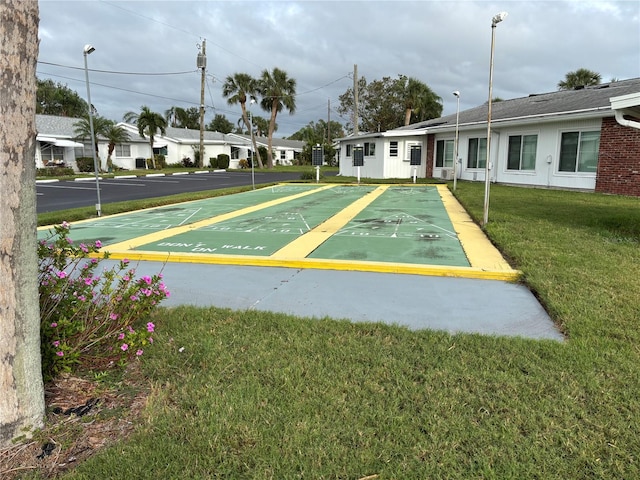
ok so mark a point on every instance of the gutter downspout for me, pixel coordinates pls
(624, 122)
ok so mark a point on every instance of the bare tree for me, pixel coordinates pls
(21, 387)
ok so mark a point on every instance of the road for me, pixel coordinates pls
(62, 195)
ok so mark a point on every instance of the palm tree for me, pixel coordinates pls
(148, 123)
(238, 88)
(82, 131)
(278, 91)
(183, 118)
(115, 134)
(419, 100)
(580, 78)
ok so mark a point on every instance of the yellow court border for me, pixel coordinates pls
(486, 261)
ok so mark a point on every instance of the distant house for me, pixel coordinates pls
(178, 144)
(285, 152)
(57, 146)
(586, 139)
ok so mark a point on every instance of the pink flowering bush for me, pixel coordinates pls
(91, 317)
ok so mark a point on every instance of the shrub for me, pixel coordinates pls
(91, 318)
(85, 164)
(213, 162)
(309, 175)
(223, 160)
(187, 162)
(55, 172)
(243, 163)
(161, 161)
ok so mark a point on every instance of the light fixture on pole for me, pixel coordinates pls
(494, 21)
(455, 146)
(89, 49)
(253, 156)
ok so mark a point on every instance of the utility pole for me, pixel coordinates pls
(329, 121)
(355, 99)
(202, 64)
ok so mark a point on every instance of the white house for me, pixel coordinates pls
(57, 146)
(586, 139)
(285, 152)
(179, 143)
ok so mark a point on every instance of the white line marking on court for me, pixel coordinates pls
(194, 212)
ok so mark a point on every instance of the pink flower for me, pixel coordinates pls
(121, 336)
(69, 241)
(60, 354)
(139, 352)
(113, 316)
(125, 261)
(65, 225)
(62, 274)
(124, 347)
(88, 281)
(147, 279)
(150, 339)
(56, 343)
(84, 248)
(98, 243)
(150, 327)
(54, 325)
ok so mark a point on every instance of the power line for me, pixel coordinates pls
(117, 73)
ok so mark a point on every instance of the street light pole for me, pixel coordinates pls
(88, 49)
(253, 157)
(494, 21)
(455, 147)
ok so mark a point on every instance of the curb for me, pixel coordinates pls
(85, 179)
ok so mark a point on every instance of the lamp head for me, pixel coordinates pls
(88, 49)
(498, 18)
(456, 93)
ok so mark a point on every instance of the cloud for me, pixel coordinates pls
(445, 44)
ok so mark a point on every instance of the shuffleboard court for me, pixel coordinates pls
(379, 228)
(119, 228)
(404, 225)
(265, 231)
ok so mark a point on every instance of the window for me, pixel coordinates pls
(579, 152)
(52, 155)
(349, 147)
(84, 151)
(123, 150)
(444, 153)
(477, 156)
(283, 155)
(522, 152)
(369, 149)
(393, 149)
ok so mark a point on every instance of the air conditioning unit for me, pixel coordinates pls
(446, 174)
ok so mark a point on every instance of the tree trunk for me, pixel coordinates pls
(21, 387)
(272, 129)
(407, 116)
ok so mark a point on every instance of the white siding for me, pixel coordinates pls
(546, 172)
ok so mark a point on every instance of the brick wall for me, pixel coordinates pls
(618, 159)
(431, 144)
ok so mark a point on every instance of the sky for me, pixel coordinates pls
(145, 51)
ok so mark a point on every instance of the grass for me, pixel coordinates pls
(262, 396)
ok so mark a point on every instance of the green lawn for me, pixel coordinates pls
(267, 396)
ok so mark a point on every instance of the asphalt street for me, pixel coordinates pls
(62, 195)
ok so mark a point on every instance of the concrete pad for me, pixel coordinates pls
(414, 301)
